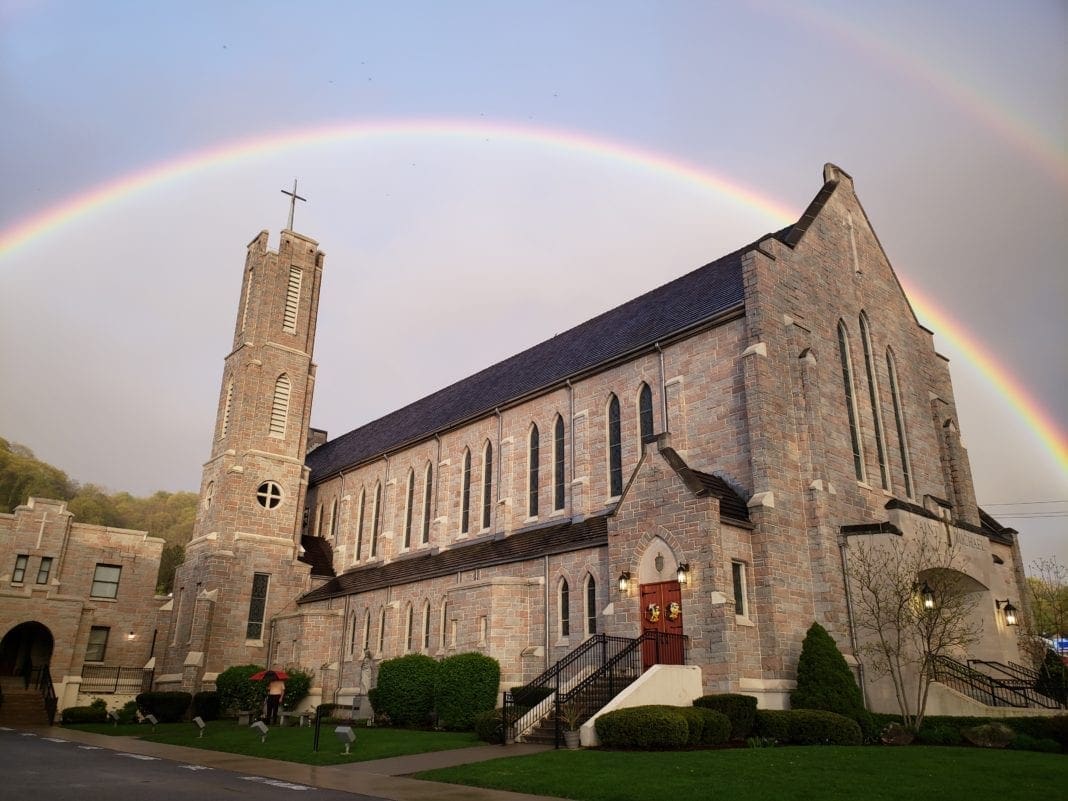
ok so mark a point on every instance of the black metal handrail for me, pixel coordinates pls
(107, 679)
(1023, 670)
(986, 689)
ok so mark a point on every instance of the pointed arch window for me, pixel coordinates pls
(615, 449)
(289, 313)
(851, 404)
(352, 636)
(428, 485)
(564, 607)
(591, 605)
(333, 519)
(899, 420)
(558, 464)
(382, 631)
(426, 625)
(226, 407)
(408, 506)
(376, 519)
(873, 398)
(444, 624)
(410, 620)
(465, 494)
(532, 468)
(280, 406)
(645, 414)
(367, 631)
(359, 524)
(487, 485)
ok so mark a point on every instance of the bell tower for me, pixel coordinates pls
(241, 567)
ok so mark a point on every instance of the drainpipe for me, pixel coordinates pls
(663, 389)
(434, 494)
(546, 616)
(270, 644)
(571, 425)
(843, 550)
(500, 463)
(341, 648)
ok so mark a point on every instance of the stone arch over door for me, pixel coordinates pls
(26, 646)
(658, 562)
(979, 619)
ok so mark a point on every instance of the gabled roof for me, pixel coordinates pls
(318, 554)
(533, 543)
(687, 303)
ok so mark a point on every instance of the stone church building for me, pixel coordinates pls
(698, 460)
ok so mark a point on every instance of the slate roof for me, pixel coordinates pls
(318, 554)
(676, 307)
(732, 507)
(533, 543)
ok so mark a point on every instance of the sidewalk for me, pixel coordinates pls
(384, 778)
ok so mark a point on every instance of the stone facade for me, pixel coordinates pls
(73, 595)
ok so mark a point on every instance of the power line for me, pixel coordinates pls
(1022, 503)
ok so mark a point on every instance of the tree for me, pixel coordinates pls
(170, 559)
(1048, 584)
(824, 680)
(903, 637)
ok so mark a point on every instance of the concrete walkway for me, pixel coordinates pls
(385, 778)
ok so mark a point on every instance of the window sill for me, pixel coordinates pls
(742, 620)
(251, 643)
(105, 600)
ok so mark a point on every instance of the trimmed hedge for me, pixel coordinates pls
(773, 724)
(807, 727)
(297, 686)
(237, 692)
(168, 707)
(85, 714)
(466, 687)
(938, 729)
(739, 709)
(647, 727)
(206, 705)
(489, 726)
(406, 689)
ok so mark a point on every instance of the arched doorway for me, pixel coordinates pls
(660, 605)
(25, 647)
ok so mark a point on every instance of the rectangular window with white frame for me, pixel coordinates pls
(106, 581)
(741, 601)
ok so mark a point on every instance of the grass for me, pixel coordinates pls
(823, 773)
(293, 744)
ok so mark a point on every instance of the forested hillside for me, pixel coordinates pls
(168, 515)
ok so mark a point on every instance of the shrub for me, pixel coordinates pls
(939, 734)
(1025, 742)
(85, 714)
(717, 728)
(989, 735)
(466, 687)
(206, 705)
(1053, 677)
(817, 727)
(895, 733)
(530, 697)
(168, 707)
(128, 713)
(489, 726)
(648, 727)
(297, 686)
(406, 689)
(824, 680)
(739, 709)
(772, 724)
(237, 692)
(695, 724)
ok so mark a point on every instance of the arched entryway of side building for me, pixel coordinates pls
(25, 648)
(660, 605)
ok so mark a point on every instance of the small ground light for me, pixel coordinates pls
(152, 719)
(261, 727)
(346, 735)
(113, 716)
(200, 724)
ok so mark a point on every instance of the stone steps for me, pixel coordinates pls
(21, 707)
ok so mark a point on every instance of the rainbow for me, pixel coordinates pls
(38, 225)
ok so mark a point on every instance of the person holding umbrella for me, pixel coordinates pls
(276, 690)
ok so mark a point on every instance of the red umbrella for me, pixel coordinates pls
(278, 674)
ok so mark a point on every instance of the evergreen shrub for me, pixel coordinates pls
(237, 692)
(695, 724)
(773, 724)
(817, 727)
(406, 689)
(206, 705)
(489, 726)
(739, 709)
(1053, 677)
(939, 734)
(646, 727)
(168, 707)
(97, 712)
(297, 686)
(466, 687)
(824, 680)
(128, 713)
(717, 727)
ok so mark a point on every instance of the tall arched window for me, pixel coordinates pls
(564, 606)
(645, 414)
(873, 398)
(333, 518)
(367, 631)
(426, 626)
(465, 495)
(899, 419)
(558, 464)
(408, 504)
(319, 520)
(382, 631)
(409, 621)
(487, 484)
(376, 519)
(359, 524)
(428, 485)
(851, 404)
(280, 406)
(591, 605)
(444, 624)
(615, 449)
(352, 636)
(532, 470)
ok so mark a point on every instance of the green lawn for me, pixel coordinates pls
(824, 773)
(293, 744)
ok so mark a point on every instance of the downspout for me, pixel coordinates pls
(843, 550)
(270, 644)
(663, 389)
(546, 616)
(571, 425)
(437, 468)
(341, 648)
(500, 464)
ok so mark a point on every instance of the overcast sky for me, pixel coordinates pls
(511, 183)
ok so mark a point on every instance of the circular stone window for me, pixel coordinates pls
(269, 494)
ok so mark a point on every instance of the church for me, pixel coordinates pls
(697, 462)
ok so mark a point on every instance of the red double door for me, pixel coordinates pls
(661, 609)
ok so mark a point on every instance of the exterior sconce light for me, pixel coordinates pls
(131, 636)
(684, 573)
(927, 596)
(1009, 610)
(624, 581)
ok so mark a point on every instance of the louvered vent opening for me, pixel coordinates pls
(248, 294)
(280, 406)
(226, 408)
(289, 318)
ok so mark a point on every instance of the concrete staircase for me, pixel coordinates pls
(21, 707)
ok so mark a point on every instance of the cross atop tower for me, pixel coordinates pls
(293, 198)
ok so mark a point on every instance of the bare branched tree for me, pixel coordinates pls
(1048, 584)
(900, 636)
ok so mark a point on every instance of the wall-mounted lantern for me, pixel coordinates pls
(927, 596)
(1009, 611)
(624, 581)
(683, 573)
